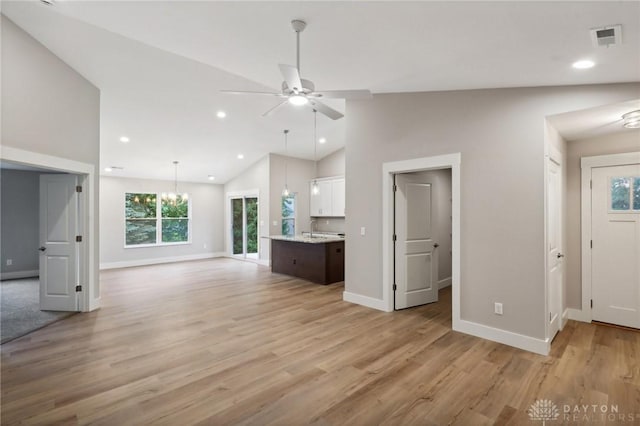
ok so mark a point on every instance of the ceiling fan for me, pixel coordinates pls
(299, 91)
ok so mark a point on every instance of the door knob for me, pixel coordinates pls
(42, 248)
(559, 255)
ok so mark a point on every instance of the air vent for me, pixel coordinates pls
(606, 36)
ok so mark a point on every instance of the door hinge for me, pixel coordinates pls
(591, 243)
(591, 184)
(592, 303)
(78, 238)
(395, 237)
(395, 287)
(78, 288)
(549, 316)
(78, 188)
(395, 188)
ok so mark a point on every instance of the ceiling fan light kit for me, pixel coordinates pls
(299, 91)
(632, 119)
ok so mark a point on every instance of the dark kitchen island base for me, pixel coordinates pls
(319, 262)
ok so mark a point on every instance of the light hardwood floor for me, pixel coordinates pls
(227, 342)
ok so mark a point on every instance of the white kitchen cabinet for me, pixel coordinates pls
(338, 197)
(329, 201)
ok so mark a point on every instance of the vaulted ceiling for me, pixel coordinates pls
(160, 66)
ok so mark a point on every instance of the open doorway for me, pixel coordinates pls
(40, 272)
(422, 237)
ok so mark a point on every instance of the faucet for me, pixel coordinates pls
(311, 222)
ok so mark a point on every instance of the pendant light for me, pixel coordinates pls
(173, 196)
(285, 191)
(315, 189)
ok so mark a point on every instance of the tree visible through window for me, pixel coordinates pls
(289, 215)
(148, 222)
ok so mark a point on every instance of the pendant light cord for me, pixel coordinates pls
(175, 176)
(286, 160)
(315, 141)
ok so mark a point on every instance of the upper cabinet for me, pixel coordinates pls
(330, 198)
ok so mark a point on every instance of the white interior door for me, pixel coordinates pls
(554, 250)
(59, 273)
(615, 254)
(416, 266)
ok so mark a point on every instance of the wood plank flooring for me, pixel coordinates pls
(222, 342)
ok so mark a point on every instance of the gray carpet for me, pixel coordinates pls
(20, 312)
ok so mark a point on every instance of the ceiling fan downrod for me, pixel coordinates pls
(298, 26)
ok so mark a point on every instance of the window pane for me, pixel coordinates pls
(288, 206)
(288, 227)
(236, 211)
(139, 205)
(636, 193)
(175, 230)
(620, 192)
(140, 232)
(175, 205)
(252, 224)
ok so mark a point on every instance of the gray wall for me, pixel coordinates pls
(299, 173)
(206, 220)
(441, 216)
(500, 135)
(19, 205)
(49, 108)
(617, 143)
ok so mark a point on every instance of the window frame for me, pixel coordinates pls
(294, 218)
(631, 209)
(158, 218)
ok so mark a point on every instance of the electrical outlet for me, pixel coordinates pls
(9, 262)
(204, 245)
(275, 223)
(498, 308)
(362, 230)
(327, 221)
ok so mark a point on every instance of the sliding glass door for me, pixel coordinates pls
(244, 227)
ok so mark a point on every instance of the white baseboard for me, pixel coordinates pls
(444, 283)
(565, 318)
(579, 315)
(367, 301)
(520, 341)
(19, 274)
(158, 260)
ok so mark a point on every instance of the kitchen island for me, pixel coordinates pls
(319, 259)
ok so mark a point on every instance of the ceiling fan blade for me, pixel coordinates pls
(291, 77)
(240, 92)
(324, 109)
(268, 112)
(343, 94)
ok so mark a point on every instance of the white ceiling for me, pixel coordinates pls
(160, 65)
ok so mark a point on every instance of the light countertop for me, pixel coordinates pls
(305, 238)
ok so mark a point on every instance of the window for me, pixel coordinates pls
(148, 222)
(289, 215)
(625, 193)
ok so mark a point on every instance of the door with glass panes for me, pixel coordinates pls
(244, 227)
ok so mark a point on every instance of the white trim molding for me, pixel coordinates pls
(444, 283)
(448, 161)
(89, 300)
(587, 164)
(159, 260)
(15, 275)
(367, 301)
(520, 341)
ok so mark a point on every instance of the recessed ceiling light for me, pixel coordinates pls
(240, 156)
(221, 114)
(583, 65)
(108, 169)
(124, 139)
(322, 140)
(211, 177)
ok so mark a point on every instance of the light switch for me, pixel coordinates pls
(275, 223)
(362, 230)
